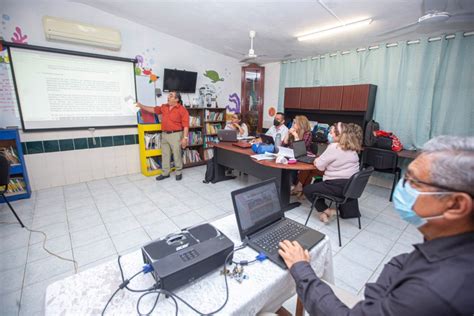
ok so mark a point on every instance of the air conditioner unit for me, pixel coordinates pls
(58, 29)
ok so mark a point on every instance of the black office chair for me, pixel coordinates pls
(4, 180)
(382, 160)
(352, 191)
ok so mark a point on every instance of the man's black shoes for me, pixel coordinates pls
(179, 177)
(161, 177)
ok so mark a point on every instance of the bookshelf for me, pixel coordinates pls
(149, 142)
(19, 186)
(214, 120)
(203, 127)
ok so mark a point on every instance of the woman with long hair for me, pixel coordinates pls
(300, 130)
(237, 124)
(339, 162)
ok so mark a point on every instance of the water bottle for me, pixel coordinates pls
(278, 140)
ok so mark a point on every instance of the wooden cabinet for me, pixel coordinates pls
(292, 98)
(310, 98)
(331, 98)
(355, 98)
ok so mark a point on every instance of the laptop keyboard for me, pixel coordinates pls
(288, 230)
(306, 159)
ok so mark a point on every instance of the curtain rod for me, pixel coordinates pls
(363, 49)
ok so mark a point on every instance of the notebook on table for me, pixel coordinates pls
(262, 222)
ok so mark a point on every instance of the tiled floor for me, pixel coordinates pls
(93, 222)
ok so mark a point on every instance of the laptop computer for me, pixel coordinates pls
(227, 135)
(266, 139)
(299, 149)
(262, 222)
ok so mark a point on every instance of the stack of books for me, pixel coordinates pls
(190, 156)
(194, 121)
(208, 153)
(153, 164)
(16, 185)
(152, 141)
(213, 128)
(11, 155)
(210, 141)
(214, 116)
(195, 138)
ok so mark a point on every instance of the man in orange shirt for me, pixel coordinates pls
(174, 136)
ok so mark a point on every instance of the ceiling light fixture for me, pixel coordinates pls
(346, 27)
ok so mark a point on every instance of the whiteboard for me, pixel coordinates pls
(9, 115)
(145, 90)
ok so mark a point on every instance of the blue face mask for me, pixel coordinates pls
(330, 138)
(404, 197)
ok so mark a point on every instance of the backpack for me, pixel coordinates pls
(209, 176)
(369, 137)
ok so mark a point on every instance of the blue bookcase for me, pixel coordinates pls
(10, 138)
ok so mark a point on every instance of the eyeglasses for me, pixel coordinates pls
(416, 181)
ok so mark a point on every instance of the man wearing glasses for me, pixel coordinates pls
(437, 278)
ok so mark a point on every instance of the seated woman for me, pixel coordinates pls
(237, 124)
(300, 130)
(339, 162)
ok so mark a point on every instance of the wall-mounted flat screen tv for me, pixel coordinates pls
(179, 80)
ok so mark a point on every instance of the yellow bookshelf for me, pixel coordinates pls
(147, 153)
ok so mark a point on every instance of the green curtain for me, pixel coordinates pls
(424, 89)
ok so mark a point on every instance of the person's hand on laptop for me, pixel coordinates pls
(292, 252)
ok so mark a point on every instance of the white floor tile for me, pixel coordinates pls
(350, 272)
(122, 225)
(56, 245)
(362, 255)
(89, 235)
(161, 228)
(94, 251)
(132, 239)
(374, 241)
(47, 268)
(14, 258)
(384, 230)
(187, 220)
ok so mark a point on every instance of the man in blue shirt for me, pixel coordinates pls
(437, 278)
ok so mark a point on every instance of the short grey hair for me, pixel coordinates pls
(452, 160)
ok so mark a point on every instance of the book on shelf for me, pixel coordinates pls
(16, 185)
(153, 163)
(212, 128)
(214, 116)
(210, 141)
(11, 154)
(195, 138)
(190, 156)
(194, 121)
(152, 141)
(208, 153)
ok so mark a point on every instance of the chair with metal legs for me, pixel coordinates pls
(352, 191)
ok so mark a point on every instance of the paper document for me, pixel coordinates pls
(263, 157)
(245, 138)
(130, 101)
(285, 151)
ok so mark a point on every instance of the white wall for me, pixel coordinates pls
(159, 51)
(272, 82)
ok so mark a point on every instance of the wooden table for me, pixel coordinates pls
(230, 156)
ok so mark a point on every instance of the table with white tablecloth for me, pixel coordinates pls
(266, 289)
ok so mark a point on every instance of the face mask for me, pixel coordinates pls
(330, 138)
(404, 198)
(276, 122)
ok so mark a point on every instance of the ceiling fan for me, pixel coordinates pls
(434, 12)
(251, 56)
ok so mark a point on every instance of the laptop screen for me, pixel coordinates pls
(256, 207)
(299, 148)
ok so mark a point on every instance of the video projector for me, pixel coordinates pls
(181, 258)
